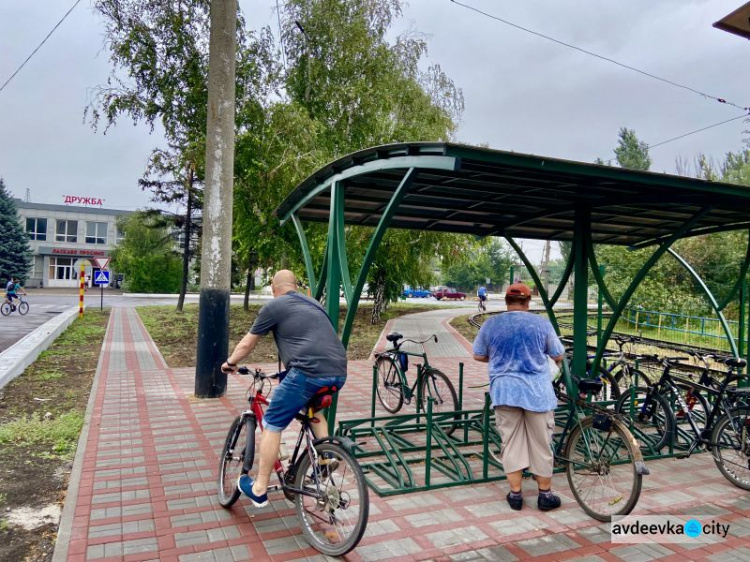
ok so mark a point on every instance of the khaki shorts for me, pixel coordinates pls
(526, 438)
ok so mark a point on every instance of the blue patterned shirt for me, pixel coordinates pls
(518, 344)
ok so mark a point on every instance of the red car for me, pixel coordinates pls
(448, 293)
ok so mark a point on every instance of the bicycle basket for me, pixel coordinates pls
(403, 361)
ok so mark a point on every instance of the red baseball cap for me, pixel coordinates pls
(518, 290)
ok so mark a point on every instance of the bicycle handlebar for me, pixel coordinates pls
(257, 373)
(424, 341)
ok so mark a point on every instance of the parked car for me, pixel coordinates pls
(448, 293)
(417, 293)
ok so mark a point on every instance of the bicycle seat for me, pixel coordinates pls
(393, 337)
(588, 386)
(735, 362)
(323, 398)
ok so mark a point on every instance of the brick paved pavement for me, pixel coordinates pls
(143, 486)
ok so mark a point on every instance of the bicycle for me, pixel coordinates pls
(393, 387)
(622, 372)
(724, 431)
(322, 478)
(22, 307)
(481, 306)
(603, 464)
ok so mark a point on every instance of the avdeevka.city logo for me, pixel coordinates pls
(633, 529)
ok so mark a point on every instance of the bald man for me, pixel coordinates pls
(314, 357)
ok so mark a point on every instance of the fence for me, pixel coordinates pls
(677, 328)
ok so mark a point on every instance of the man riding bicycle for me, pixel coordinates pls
(482, 293)
(12, 290)
(315, 358)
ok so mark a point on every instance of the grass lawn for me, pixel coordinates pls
(176, 333)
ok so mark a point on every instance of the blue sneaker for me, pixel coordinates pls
(245, 484)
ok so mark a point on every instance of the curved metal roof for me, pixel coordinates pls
(479, 191)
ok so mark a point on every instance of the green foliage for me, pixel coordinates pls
(146, 257)
(15, 253)
(632, 153)
(482, 260)
(61, 432)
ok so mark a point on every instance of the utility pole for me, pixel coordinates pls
(216, 256)
(545, 266)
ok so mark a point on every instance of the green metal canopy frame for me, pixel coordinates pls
(444, 187)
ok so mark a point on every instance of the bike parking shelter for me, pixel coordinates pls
(445, 187)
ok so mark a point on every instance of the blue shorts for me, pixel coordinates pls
(292, 395)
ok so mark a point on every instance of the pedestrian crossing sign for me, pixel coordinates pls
(101, 278)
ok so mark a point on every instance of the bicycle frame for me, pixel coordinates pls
(285, 476)
(421, 369)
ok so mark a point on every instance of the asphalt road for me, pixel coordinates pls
(44, 304)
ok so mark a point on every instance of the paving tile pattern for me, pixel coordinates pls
(147, 482)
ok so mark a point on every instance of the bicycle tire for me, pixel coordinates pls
(697, 406)
(602, 487)
(653, 433)
(610, 390)
(725, 439)
(234, 463)
(440, 396)
(5, 309)
(624, 382)
(326, 533)
(389, 388)
(23, 308)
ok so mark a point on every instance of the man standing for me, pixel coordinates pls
(516, 345)
(314, 356)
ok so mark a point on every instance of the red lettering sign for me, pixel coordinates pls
(73, 199)
(71, 252)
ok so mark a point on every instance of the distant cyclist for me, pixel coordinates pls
(482, 293)
(12, 290)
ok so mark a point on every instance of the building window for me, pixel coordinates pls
(36, 229)
(119, 235)
(96, 233)
(61, 268)
(67, 231)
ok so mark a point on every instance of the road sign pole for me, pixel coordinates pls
(82, 280)
(101, 304)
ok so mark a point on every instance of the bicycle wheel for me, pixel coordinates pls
(390, 390)
(437, 386)
(236, 458)
(653, 430)
(731, 446)
(625, 377)
(23, 307)
(600, 466)
(696, 404)
(5, 309)
(610, 390)
(334, 510)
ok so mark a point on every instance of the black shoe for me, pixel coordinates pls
(515, 503)
(546, 502)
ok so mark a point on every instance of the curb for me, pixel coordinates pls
(65, 528)
(24, 352)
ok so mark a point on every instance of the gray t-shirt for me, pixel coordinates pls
(303, 334)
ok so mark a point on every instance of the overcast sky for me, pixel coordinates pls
(522, 92)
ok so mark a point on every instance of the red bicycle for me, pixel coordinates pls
(322, 478)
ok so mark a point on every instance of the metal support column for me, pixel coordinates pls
(580, 291)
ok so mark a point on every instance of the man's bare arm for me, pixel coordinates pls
(244, 348)
(481, 358)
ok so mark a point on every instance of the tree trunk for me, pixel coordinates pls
(188, 224)
(250, 281)
(378, 304)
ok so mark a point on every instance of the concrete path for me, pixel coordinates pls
(143, 485)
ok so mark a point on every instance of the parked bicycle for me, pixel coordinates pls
(322, 478)
(21, 306)
(603, 464)
(619, 364)
(724, 426)
(393, 387)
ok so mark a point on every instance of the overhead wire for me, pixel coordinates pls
(602, 57)
(39, 46)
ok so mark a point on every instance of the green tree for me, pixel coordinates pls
(147, 256)
(15, 252)
(486, 259)
(632, 153)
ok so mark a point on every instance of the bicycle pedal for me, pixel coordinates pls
(274, 488)
(681, 455)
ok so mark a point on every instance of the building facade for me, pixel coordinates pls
(64, 237)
